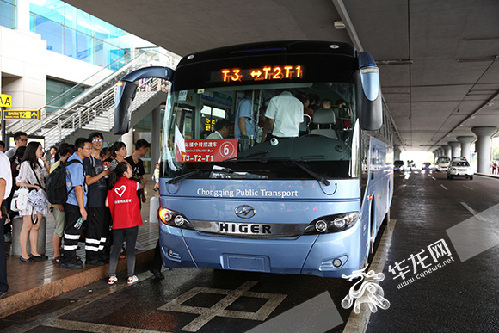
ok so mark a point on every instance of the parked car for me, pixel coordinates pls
(459, 167)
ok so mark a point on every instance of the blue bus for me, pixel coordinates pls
(308, 203)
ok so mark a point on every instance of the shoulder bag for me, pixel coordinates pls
(19, 200)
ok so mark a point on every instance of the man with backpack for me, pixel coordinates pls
(98, 213)
(65, 151)
(75, 204)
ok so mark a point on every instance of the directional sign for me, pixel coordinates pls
(5, 101)
(21, 115)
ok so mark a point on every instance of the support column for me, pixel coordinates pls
(396, 153)
(456, 149)
(466, 146)
(128, 140)
(447, 150)
(155, 136)
(483, 134)
(22, 15)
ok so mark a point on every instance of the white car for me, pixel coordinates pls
(441, 163)
(459, 167)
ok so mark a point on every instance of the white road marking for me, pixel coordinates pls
(443, 186)
(219, 309)
(433, 178)
(469, 188)
(321, 308)
(73, 325)
(476, 234)
(472, 211)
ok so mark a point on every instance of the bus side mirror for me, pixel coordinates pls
(126, 92)
(124, 96)
(369, 101)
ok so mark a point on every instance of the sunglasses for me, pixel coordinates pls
(97, 140)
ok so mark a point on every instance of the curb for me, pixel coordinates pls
(23, 300)
(358, 322)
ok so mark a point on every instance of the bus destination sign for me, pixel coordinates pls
(208, 150)
(265, 73)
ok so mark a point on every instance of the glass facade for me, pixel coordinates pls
(77, 34)
(8, 13)
(56, 88)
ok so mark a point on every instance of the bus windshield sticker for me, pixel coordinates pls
(182, 95)
(179, 145)
(208, 150)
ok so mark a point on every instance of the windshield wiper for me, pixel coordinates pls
(316, 176)
(185, 175)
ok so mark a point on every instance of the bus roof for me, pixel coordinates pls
(271, 48)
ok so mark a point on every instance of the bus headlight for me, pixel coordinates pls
(332, 223)
(173, 218)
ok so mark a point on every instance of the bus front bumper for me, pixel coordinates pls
(326, 255)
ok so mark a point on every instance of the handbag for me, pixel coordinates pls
(19, 200)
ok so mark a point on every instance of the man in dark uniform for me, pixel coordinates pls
(98, 214)
(141, 149)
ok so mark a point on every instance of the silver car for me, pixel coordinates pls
(459, 168)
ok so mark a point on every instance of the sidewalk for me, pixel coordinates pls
(34, 283)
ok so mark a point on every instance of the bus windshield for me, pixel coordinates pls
(321, 143)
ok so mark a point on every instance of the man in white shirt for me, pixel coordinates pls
(284, 115)
(5, 186)
(222, 130)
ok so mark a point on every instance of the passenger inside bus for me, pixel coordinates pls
(284, 115)
(244, 126)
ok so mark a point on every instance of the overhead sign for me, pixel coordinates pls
(5, 101)
(21, 115)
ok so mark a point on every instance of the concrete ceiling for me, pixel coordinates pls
(439, 60)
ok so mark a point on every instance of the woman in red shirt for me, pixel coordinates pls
(123, 203)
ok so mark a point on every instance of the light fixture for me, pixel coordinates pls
(339, 25)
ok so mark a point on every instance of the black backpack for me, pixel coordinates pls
(56, 184)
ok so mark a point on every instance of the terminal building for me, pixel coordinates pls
(62, 61)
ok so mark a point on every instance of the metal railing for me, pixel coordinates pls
(98, 94)
(97, 114)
